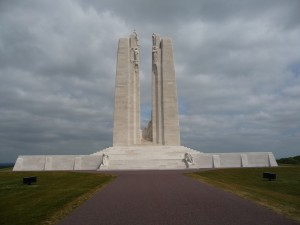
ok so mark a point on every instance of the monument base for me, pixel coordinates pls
(145, 158)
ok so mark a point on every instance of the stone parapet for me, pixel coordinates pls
(145, 158)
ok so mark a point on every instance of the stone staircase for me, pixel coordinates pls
(144, 157)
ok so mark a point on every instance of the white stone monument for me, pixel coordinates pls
(157, 147)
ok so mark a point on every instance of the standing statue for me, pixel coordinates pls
(136, 55)
(134, 34)
(188, 158)
(134, 48)
(155, 39)
(104, 161)
(155, 47)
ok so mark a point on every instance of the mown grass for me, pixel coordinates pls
(53, 196)
(282, 195)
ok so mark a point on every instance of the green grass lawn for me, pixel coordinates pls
(53, 196)
(282, 195)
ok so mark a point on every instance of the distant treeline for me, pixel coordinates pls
(5, 165)
(289, 160)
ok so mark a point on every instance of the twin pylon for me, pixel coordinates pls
(163, 128)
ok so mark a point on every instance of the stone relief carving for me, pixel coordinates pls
(155, 47)
(134, 51)
(136, 55)
(155, 39)
(147, 132)
(136, 38)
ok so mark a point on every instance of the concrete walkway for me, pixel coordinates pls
(168, 197)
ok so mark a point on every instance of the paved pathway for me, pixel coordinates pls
(168, 197)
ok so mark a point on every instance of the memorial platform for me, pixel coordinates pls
(145, 158)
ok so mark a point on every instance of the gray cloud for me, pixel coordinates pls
(237, 63)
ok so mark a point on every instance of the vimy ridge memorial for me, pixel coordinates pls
(156, 147)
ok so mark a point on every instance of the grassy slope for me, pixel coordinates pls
(53, 196)
(282, 195)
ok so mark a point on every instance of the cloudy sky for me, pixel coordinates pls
(237, 65)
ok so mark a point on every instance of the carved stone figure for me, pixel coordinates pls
(136, 38)
(136, 55)
(155, 54)
(147, 132)
(104, 160)
(188, 158)
(155, 38)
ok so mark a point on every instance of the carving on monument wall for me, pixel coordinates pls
(134, 132)
(136, 38)
(134, 48)
(147, 132)
(155, 39)
(155, 48)
(188, 158)
(136, 59)
(105, 159)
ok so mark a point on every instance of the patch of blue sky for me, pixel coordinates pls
(145, 114)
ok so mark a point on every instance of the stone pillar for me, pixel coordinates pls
(127, 94)
(134, 91)
(165, 121)
(170, 119)
(157, 134)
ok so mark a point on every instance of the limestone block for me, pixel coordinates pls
(63, 162)
(204, 160)
(90, 162)
(256, 159)
(30, 163)
(229, 160)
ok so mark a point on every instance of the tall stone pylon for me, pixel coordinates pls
(165, 120)
(126, 131)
